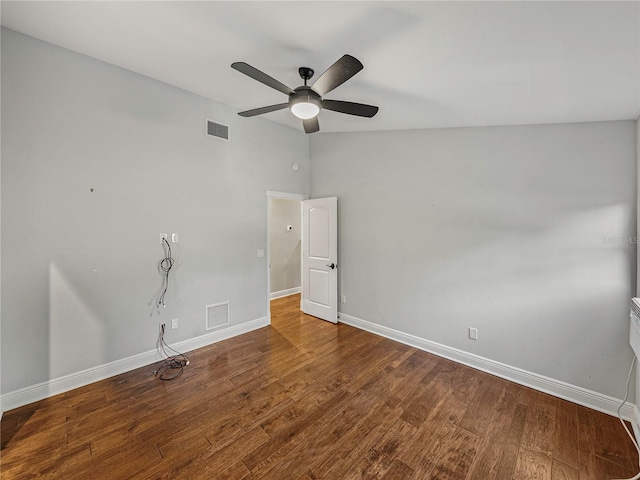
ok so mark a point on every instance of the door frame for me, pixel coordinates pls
(282, 196)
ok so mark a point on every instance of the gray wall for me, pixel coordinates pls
(517, 231)
(79, 267)
(285, 245)
(520, 232)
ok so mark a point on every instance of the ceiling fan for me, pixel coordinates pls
(306, 102)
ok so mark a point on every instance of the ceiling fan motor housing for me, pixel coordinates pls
(305, 95)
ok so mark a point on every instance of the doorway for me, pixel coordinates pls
(284, 219)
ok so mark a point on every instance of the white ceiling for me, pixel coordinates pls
(427, 64)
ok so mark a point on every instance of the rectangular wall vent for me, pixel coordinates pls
(217, 315)
(217, 130)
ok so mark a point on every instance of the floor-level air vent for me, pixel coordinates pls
(217, 315)
(217, 130)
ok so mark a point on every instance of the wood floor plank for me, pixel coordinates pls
(51, 464)
(561, 471)
(457, 457)
(381, 456)
(494, 433)
(564, 444)
(209, 463)
(607, 427)
(609, 470)
(366, 433)
(305, 399)
(540, 425)
(398, 471)
(434, 434)
(237, 471)
(480, 415)
(533, 465)
(283, 442)
(508, 460)
(328, 431)
(305, 476)
(105, 441)
(587, 440)
(123, 463)
(303, 408)
(172, 448)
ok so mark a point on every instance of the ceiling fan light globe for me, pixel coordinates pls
(305, 110)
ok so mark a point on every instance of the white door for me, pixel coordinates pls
(319, 258)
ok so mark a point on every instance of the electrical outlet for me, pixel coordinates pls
(162, 326)
(473, 333)
(343, 299)
(174, 324)
(163, 237)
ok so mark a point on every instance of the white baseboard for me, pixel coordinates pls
(557, 388)
(285, 293)
(33, 393)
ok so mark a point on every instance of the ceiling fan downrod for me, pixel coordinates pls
(306, 73)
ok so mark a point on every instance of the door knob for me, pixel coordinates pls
(332, 266)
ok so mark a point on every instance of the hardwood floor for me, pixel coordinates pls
(305, 399)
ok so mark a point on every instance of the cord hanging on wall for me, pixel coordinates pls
(164, 268)
(173, 362)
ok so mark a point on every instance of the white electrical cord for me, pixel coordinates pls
(626, 395)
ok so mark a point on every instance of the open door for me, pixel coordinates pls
(319, 258)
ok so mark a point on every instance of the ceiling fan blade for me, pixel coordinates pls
(261, 77)
(261, 110)
(350, 108)
(338, 73)
(311, 125)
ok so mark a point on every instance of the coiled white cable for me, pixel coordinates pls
(635, 444)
